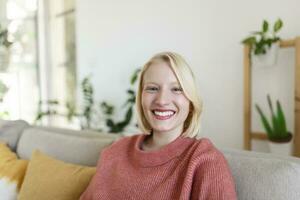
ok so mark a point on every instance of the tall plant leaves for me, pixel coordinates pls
(265, 122)
(281, 119)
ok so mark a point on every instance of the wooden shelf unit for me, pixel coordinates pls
(248, 133)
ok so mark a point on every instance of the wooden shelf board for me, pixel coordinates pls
(259, 136)
(287, 43)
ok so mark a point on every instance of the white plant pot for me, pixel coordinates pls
(284, 149)
(267, 60)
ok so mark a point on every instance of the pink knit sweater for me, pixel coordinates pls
(184, 169)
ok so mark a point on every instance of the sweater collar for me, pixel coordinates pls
(162, 155)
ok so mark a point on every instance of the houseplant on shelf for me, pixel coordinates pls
(264, 44)
(278, 135)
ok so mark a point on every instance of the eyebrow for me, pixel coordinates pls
(172, 83)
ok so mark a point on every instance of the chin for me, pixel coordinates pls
(161, 129)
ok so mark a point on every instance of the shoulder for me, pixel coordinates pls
(210, 172)
(204, 152)
(122, 144)
(207, 161)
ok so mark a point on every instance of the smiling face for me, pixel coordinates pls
(163, 102)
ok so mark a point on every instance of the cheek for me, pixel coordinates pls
(184, 104)
(146, 100)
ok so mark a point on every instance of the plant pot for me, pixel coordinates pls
(284, 149)
(268, 59)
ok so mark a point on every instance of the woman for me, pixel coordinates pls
(166, 162)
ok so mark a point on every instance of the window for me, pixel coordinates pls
(21, 74)
(42, 63)
(60, 51)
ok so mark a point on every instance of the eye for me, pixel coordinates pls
(151, 89)
(177, 89)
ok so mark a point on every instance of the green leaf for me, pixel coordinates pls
(130, 92)
(134, 76)
(281, 118)
(269, 42)
(265, 26)
(110, 123)
(265, 122)
(128, 115)
(259, 50)
(278, 25)
(107, 108)
(249, 40)
(276, 127)
(257, 33)
(270, 105)
(53, 102)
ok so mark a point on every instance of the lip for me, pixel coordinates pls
(162, 110)
(163, 117)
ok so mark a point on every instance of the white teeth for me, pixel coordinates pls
(163, 114)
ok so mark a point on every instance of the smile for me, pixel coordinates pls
(163, 115)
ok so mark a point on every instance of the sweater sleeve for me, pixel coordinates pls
(90, 190)
(88, 193)
(213, 180)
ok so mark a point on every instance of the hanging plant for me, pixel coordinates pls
(261, 41)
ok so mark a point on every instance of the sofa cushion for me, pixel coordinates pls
(48, 179)
(12, 171)
(72, 148)
(10, 131)
(263, 176)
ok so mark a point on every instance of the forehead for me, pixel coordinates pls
(159, 72)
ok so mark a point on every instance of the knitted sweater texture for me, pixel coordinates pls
(184, 169)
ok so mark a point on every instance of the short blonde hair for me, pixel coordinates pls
(186, 80)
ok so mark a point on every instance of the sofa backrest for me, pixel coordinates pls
(262, 176)
(258, 176)
(10, 131)
(78, 147)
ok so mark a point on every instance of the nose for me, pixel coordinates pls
(162, 98)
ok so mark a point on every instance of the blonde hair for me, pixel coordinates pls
(186, 80)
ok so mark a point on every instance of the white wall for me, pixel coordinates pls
(115, 37)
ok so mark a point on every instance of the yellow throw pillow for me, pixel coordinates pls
(12, 171)
(48, 179)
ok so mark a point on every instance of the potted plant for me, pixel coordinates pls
(4, 49)
(94, 113)
(278, 135)
(264, 44)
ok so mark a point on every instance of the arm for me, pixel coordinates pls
(88, 193)
(213, 180)
(90, 190)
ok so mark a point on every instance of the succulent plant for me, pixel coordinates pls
(262, 40)
(276, 129)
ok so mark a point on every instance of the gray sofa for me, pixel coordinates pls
(258, 176)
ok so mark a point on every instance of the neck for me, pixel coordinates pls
(158, 140)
